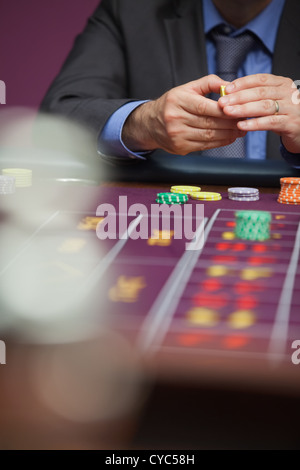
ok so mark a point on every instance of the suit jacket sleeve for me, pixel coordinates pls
(92, 83)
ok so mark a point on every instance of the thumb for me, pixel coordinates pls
(208, 84)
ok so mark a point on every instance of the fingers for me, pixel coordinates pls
(213, 135)
(257, 108)
(192, 97)
(209, 84)
(253, 81)
(199, 105)
(257, 95)
(209, 122)
(185, 139)
(261, 102)
(265, 102)
(185, 120)
(189, 147)
(253, 95)
(277, 124)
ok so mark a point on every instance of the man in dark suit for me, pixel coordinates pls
(153, 60)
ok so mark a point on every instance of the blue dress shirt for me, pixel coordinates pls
(259, 60)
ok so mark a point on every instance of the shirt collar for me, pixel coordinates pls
(265, 25)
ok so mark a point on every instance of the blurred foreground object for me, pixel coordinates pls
(69, 381)
(51, 146)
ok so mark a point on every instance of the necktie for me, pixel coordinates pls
(230, 54)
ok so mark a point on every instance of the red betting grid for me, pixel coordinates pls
(235, 298)
(240, 297)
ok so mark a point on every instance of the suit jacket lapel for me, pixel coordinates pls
(286, 58)
(186, 42)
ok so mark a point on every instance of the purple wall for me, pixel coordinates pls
(35, 38)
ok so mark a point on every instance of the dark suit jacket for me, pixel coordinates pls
(138, 49)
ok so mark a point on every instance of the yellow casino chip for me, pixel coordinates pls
(185, 189)
(206, 196)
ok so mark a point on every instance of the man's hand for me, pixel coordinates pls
(181, 121)
(255, 97)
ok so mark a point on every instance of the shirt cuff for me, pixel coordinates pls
(110, 141)
(292, 158)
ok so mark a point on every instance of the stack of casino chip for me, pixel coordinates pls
(185, 189)
(206, 196)
(172, 198)
(243, 194)
(7, 185)
(23, 178)
(290, 191)
(253, 225)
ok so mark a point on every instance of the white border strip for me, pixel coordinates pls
(280, 329)
(109, 258)
(160, 315)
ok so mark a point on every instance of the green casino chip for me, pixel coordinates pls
(159, 201)
(172, 196)
(254, 216)
(172, 199)
(253, 225)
